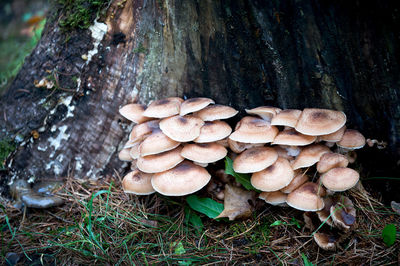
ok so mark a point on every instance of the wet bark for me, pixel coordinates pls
(293, 54)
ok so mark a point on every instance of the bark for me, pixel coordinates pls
(292, 54)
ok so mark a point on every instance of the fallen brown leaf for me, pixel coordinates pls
(236, 203)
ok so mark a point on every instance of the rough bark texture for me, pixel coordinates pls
(292, 54)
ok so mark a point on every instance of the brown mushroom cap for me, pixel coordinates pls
(213, 131)
(181, 128)
(124, 155)
(216, 112)
(340, 179)
(273, 178)
(324, 214)
(163, 108)
(184, 179)
(254, 130)
(134, 112)
(351, 140)
(274, 198)
(204, 152)
(265, 112)
(335, 136)
(255, 159)
(156, 142)
(138, 183)
(134, 151)
(316, 122)
(287, 117)
(343, 213)
(140, 131)
(331, 160)
(160, 162)
(306, 197)
(299, 179)
(194, 105)
(292, 137)
(309, 156)
(238, 147)
(325, 241)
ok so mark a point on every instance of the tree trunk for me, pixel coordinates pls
(291, 54)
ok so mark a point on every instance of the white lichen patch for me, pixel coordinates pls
(78, 163)
(56, 142)
(98, 30)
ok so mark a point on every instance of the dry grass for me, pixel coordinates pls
(100, 224)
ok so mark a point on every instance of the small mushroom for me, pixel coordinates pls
(287, 117)
(325, 241)
(331, 160)
(306, 197)
(134, 112)
(184, 179)
(204, 152)
(255, 159)
(182, 128)
(160, 162)
(316, 122)
(156, 142)
(138, 183)
(309, 156)
(254, 130)
(213, 131)
(351, 140)
(216, 112)
(163, 108)
(274, 177)
(194, 104)
(265, 112)
(275, 198)
(340, 179)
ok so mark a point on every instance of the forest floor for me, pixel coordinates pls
(100, 224)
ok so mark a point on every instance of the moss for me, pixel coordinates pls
(140, 49)
(80, 14)
(6, 147)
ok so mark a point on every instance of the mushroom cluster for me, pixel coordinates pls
(174, 140)
(279, 147)
(172, 143)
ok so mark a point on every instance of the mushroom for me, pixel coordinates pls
(181, 128)
(157, 142)
(265, 112)
(333, 137)
(325, 241)
(255, 159)
(163, 108)
(351, 140)
(124, 155)
(184, 179)
(324, 214)
(315, 122)
(306, 197)
(299, 179)
(343, 213)
(309, 156)
(216, 112)
(204, 152)
(340, 179)
(291, 137)
(274, 177)
(194, 105)
(134, 112)
(331, 160)
(254, 130)
(288, 117)
(213, 131)
(160, 162)
(275, 198)
(137, 182)
(140, 131)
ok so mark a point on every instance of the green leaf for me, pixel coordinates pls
(206, 206)
(195, 220)
(389, 234)
(306, 261)
(295, 222)
(276, 223)
(179, 249)
(240, 178)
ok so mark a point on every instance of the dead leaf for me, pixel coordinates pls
(395, 207)
(236, 203)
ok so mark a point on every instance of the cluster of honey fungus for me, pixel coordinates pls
(174, 140)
